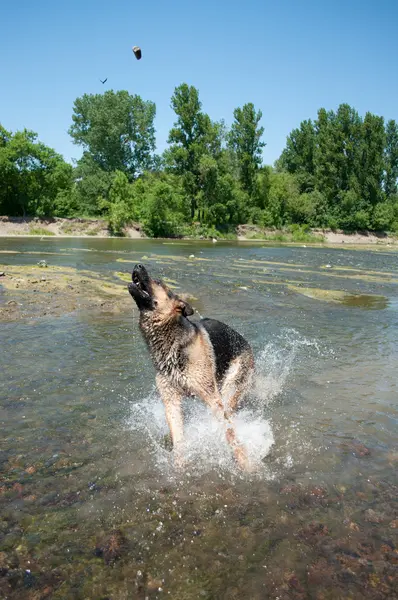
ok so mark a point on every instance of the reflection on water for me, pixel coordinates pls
(90, 504)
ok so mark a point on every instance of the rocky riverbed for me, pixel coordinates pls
(36, 291)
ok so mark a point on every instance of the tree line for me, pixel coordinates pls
(338, 171)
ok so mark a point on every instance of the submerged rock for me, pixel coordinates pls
(355, 447)
(312, 533)
(374, 517)
(112, 546)
(394, 524)
(7, 562)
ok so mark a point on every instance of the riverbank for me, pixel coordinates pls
(79, 227)
(58, 227)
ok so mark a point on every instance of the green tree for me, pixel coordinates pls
(209, 175)
(6, 171)
(163, 207)
(222, 202)
(338, 153)
(245, 140)
(309, 208)
(391, 159)
(353, 213)
(344, 159)
(5, 136)
(192, 136)
(117, 130)
(31, 175)
(282, 193)
(234, 199)
(57, 187)
(298, 156)
(119, 205)
(92, 185)
(263, 185)
(20, 166)
(349, 135)
(372, 161)
(158, 202)
(66, 203)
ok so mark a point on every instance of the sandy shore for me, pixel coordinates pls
(336, 237)
(321, 236)
(57, 227)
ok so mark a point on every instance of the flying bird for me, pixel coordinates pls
(137, 52)
(105, 80)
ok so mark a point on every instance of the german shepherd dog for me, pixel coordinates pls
(207, 359)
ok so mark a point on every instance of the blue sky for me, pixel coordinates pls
(288, 57)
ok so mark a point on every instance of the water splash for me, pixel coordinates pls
(205, 446)
(275, 363)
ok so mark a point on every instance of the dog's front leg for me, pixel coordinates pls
(172, 403)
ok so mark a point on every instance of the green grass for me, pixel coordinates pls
(67, 229)
(40, 231)
(94, 231)
(295, 238)
(79, 229)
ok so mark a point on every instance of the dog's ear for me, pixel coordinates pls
(185, 308)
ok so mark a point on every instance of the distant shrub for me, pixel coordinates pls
(40, 231)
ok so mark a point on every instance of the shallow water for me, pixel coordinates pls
(91, 506)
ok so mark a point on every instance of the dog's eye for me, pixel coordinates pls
(155, 302)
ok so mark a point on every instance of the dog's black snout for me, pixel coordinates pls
(140, 274)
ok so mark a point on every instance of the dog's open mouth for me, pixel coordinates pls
(137, 282)
(140, 286)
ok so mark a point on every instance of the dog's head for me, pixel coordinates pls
(152, 295)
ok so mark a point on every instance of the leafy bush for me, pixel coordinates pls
(383, 216)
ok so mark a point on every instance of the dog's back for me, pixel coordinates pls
(227, 344)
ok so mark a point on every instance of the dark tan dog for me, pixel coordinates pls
(207, 359)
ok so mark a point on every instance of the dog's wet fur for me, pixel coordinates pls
(207, 359)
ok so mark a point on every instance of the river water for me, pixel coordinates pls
(91, 506)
